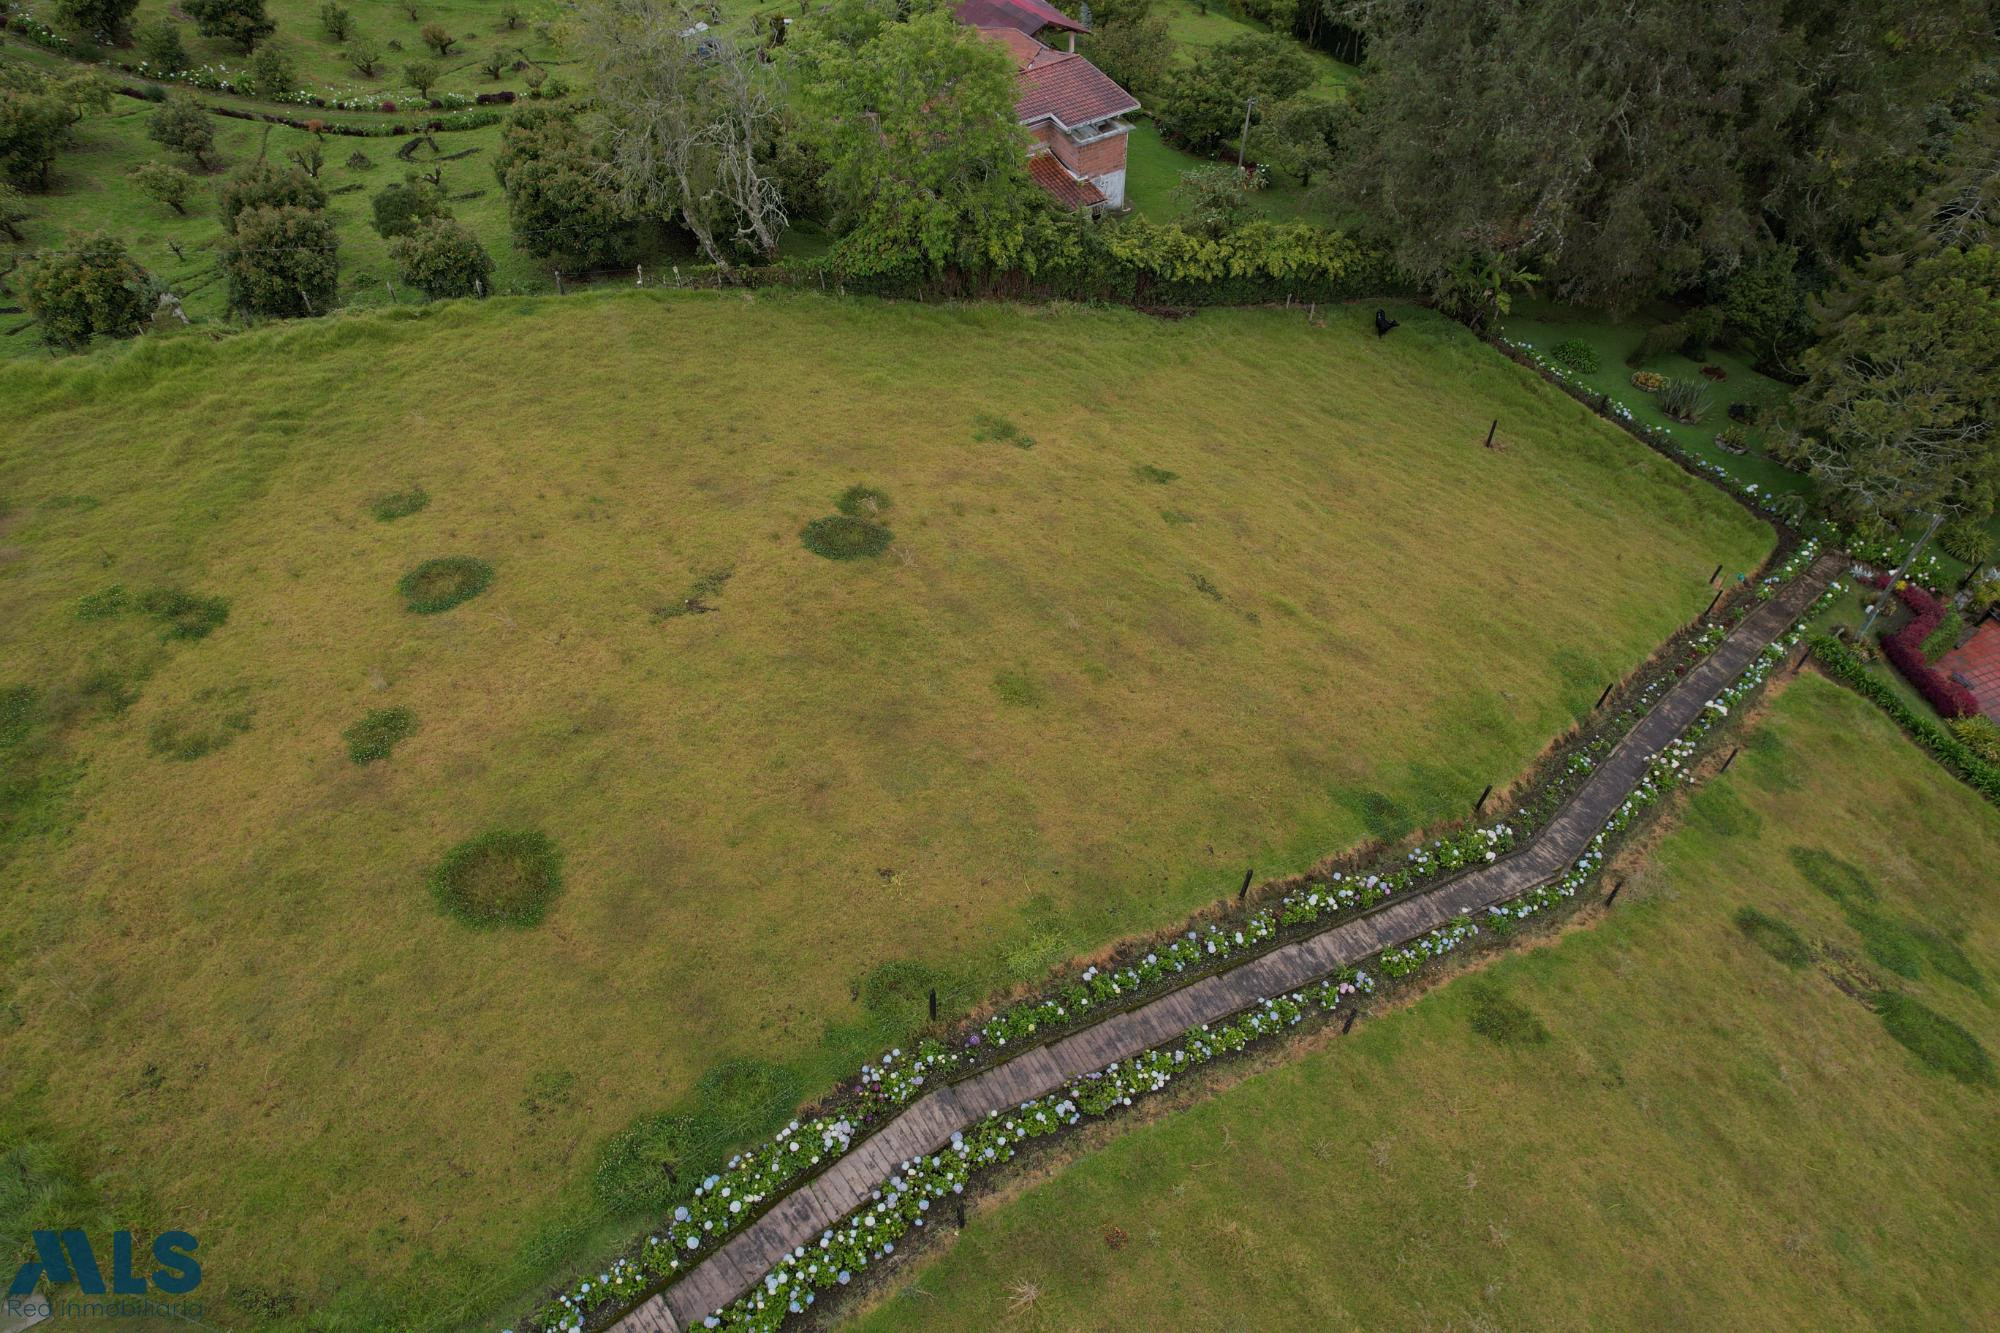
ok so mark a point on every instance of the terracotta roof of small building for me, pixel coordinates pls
(1029, 16)
(1070, 89)
(1045, 171)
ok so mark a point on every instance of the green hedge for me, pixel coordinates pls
(1129, 260)
(1841, 663)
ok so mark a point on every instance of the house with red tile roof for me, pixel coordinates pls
(1073, 108)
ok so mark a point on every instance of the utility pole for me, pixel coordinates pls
(1243, 143)
(1897, 577)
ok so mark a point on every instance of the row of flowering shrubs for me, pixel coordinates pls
(1905, 650)
(870, 1234)
(1342, 892)
(1840, 662)
(724, 1203)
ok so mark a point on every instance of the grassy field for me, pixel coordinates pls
(1164, 600)
(1153, 168)
(1651, 1123)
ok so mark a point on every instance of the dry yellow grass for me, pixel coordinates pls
(1048, 716)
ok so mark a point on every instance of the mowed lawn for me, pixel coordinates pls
(1254, 593)
(1706, 1136)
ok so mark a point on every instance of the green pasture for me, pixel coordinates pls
(1687, 1112)
(1160, 601)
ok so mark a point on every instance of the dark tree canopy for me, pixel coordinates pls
(1624, 151)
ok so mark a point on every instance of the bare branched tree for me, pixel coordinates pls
(685, 113)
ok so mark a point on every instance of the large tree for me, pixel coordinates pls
(688, 119)
(1898, 413)
(1624, 150)
(559, 196)
(914, 118)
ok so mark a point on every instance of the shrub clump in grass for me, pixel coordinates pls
(103, 604)
(1842, 881)
(183, 615)
(212, 719)
(1499, 1017)
(745, 1098)
(1576, 356)
(844, 537)
(1774, 937)
(375, 735)
(1158, 476)
(1017, 688)
(863, 502)
(439, 585)
(398, 504)
(641, 1168)
(499, 879)
(989, 429)
(1934, 1039)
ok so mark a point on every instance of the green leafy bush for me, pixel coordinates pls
(1967, 540)
(1934, 1039)
(179, 125)
(1945, 637)
(439, 585)
(401, 208)
(1979, 734)
(183, 615)
(282, 262)
(1576, 356)
(87, 289)
(844, 537)
(1658, 341)
(1158, 476)
(442, 259)
(262, 185)
(1684, 400)
(499, 879)
(399, 504)
(375, 735)
(1773, 936)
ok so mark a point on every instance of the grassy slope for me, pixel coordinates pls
(758, 805)
(1706, 1137)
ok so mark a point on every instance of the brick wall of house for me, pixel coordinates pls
(1094, 159)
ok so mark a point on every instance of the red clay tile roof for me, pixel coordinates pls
(1069, 88)
(1022, 48)
(1029, 16)
(1045, 171)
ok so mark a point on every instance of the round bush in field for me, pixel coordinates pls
(439, 585)
(499, 879)
(844, 537)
